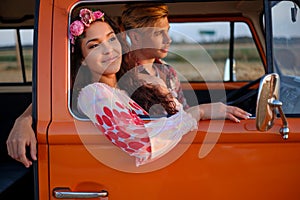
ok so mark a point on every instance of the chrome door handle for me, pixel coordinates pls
(66, 193)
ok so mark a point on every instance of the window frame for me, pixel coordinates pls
(231, 20)
(19, 53)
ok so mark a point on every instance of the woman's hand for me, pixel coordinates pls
(20, 136)
(222, 111)
(218, 111)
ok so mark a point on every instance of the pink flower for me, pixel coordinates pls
(98, 14)
(76, 28)
(87, 17)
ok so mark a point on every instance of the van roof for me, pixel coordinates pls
(20, 13)
(17, 13)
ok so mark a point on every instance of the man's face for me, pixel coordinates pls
(154, 42)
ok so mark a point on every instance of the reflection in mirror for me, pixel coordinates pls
(294, 13)
(267, 102)
(265, 113)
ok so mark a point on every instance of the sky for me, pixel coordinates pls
(190, 31)
(283, 26)
(7, 37)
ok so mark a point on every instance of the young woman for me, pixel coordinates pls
(109, 108)
(99, 52)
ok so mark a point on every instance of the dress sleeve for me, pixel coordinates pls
(145, 141)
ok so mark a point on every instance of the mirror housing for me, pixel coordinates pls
(267, 102)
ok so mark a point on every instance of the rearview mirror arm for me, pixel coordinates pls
(284, 131)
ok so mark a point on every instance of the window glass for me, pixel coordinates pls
(248, 63)
(11, 60)
(27, 43)
(286, 34)
(286, 51)
(200, 51)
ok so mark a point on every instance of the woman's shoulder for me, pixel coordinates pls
(97, 89)
(98, 85)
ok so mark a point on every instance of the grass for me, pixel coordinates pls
(10, 70)
(206, 62)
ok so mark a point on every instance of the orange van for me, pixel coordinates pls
(244, 53)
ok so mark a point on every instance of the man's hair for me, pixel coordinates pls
(138, 15)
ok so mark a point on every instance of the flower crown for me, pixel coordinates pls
(87, 18)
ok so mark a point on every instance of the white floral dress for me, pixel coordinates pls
(117, 116)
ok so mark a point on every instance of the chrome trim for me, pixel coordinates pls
(66, 193)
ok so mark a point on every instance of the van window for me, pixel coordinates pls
(286, 42)
(16, 55)
(200, 51)
(286, 51)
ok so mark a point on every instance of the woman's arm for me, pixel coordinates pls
(114, 113)
(218, 111)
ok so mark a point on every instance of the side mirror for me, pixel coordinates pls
(267, 102)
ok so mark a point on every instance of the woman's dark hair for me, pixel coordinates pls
(145, 94)
(150, 95)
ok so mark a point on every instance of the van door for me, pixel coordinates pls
(220, 160)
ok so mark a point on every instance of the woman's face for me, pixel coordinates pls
(101, 50)
(155, 42)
